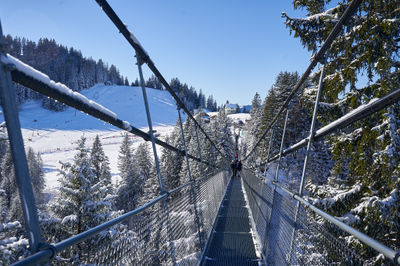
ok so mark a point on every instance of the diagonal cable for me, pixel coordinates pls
(31, 78)
(146, 59)
(315, 59)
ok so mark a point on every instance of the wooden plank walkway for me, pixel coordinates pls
(231, 242)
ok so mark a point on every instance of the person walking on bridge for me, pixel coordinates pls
(234, 168)
(239, 166)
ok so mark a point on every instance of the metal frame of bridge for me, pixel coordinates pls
(263, 194)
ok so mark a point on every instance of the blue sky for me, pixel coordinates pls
(229, 48)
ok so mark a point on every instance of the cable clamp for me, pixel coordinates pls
(139, 59)
(44, 246)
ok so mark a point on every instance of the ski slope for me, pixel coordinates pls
(55, 134)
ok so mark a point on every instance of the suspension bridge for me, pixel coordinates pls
(212, 219)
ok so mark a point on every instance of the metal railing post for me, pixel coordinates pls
(268, 152)
(7, 94)
(149, 122)
(153, 144)
(190, 178)
(307, 156)
(199, 151)
(276, 174)
(281, 148)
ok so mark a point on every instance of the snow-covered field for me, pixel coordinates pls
(55, 134)
(240, 116)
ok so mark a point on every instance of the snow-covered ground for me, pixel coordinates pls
(55, 134)
(240, 116)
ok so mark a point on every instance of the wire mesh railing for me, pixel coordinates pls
(171, 229)
(288, 213)
(273, 213)
(162, 232)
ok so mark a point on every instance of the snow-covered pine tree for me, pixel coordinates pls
(172, 162)
(364, 187)
(101, 166)
(8, 184)
(130, 187)
(252, 130)
(80, 205)
(188, 131)
(64, 65)
(297, 128)
(268, 109)
(222, 135)
(210, 104)
(167, 166)
(36, 173)
(147, 180)
(197, 167)
(14, 243)
(208, 151)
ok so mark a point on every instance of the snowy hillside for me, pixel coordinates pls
(125, 101)
(55, 134)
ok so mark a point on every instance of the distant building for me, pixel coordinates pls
(203, 116)
(232, 108)
(245, 109)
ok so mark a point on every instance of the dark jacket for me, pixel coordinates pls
(239, 166)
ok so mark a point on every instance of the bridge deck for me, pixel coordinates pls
(231, 242)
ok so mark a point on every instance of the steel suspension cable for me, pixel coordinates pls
(343, 122)
(146, 59)
(34, 84)
(314, 61)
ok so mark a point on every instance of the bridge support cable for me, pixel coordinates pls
(352, 7)
(23, 179)
(189, 174)
(156, 160)
(354, 116)
(28, 77)
(133, 41)
(306, 157)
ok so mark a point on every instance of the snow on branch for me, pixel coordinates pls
(10, 226)
(360, 109)
(39, 76)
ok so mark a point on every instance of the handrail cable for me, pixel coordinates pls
(146, 59)
(314, 61)
(24, 78)
(354, 116)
